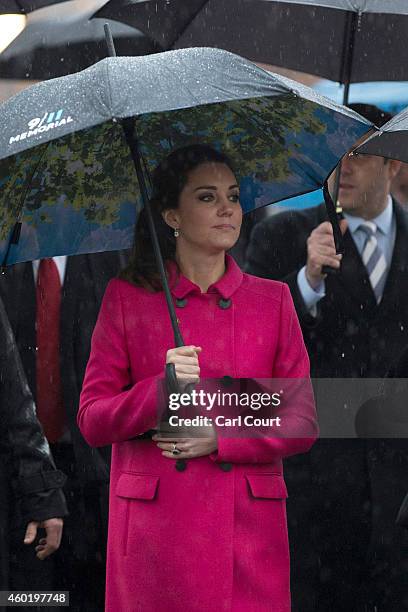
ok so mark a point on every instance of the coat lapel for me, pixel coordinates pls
(398, 273)
(354, 275)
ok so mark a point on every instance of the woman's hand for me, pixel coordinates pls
(185, 360)
(189, 447)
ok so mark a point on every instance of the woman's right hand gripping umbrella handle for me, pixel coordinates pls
(172, 383)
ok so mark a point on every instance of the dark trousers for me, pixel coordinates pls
(79, 564)
(329, 526)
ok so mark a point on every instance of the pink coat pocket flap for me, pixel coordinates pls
(267, 486)
(137, 486)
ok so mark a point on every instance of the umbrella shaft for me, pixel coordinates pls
(350, 29)
(109, 40)
(128, 127)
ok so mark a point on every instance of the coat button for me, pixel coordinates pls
(227, 381)
(181, 303)
(181, 465)
(226, 467)
(224, 304)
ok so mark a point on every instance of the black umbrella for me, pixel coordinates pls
(342, 40)
(390, 141)
(24, 6)
(61, 39)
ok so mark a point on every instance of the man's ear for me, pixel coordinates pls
(394, 167)
(171, 217)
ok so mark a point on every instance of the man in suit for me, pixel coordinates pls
(354, 321)
(53, 306)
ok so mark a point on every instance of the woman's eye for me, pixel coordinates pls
(206, 197)
(234, 197)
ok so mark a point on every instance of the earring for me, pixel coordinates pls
(176, 232)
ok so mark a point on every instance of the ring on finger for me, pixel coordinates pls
(175, 450)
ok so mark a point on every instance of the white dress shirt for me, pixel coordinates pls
(385, 234)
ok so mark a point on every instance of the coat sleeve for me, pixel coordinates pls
(112, 407)
(299, 428)
(37, 484)
(277, 250)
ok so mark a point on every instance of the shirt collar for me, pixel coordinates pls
(181, 286)
(383, 221)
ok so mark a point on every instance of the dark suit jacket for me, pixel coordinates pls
(86, 277)
(338, 489)
(351, 336)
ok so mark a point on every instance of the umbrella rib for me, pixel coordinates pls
(34, 172)
(21, 204)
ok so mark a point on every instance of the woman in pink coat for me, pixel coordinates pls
(210, 535)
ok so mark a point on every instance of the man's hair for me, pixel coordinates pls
(371, 113)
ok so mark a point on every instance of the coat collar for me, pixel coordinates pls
(181, 286)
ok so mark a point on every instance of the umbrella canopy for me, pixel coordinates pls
(391, 141)
(24, 6)
(60, 40)
(66, 173)
(341, 40)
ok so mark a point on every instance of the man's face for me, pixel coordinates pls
(364, 183)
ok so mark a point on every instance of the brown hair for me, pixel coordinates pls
(168, 181)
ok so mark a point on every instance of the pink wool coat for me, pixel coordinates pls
(212, 537)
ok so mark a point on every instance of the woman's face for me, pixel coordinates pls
(209, 214)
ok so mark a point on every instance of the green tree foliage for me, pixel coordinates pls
(258, 134)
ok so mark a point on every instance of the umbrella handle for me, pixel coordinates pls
(334, 220)
(172, 383)
(171, 379)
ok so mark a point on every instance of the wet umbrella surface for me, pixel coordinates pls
(342, 40)
(391, 141)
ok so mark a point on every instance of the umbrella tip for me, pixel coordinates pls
(109, 40)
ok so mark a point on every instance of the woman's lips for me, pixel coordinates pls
(224, 226)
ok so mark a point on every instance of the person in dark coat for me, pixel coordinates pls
(80, 563)
(354, 321)
(384, 421)
(30, 485)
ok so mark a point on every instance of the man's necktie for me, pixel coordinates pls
(374, 259)
(50, 409)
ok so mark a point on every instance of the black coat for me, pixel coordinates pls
(26, 465)
(351, 336)
(386, 416)
(338, 501)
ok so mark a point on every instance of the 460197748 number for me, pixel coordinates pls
(34, 598)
